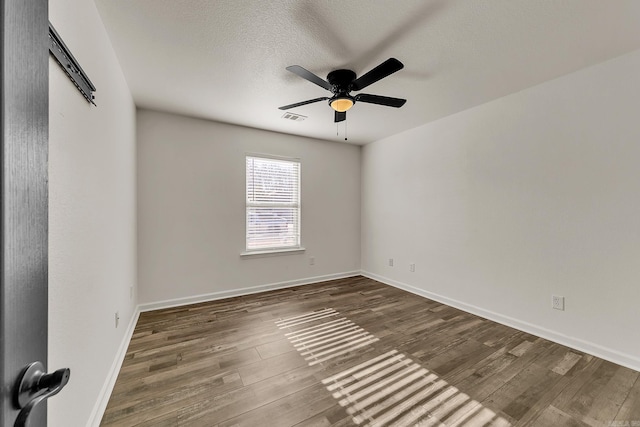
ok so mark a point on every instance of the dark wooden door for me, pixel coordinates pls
(24, 193)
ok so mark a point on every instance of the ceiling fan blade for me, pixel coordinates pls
(388, 67)
(297, 104)
(308, 75)
(380, 100)
(340, 116)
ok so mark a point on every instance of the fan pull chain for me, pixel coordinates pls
(345, 130)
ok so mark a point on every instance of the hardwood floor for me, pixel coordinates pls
(356, 352)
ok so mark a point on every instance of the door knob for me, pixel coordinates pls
(34, 386)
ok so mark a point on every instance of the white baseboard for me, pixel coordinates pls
(624, 359)
(107, 388)
(242, 291)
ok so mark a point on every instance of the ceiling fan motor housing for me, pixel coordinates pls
(341, 81)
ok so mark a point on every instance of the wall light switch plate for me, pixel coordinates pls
(557, 302)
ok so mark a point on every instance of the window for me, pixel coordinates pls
(273, 204)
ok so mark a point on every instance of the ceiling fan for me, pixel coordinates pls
(342, 82)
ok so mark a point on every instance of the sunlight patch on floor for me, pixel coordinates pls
(392, 390)
(329, 336)
(387, 390)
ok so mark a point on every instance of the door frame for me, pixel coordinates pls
(24, 128)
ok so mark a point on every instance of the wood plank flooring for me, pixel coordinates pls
(355, 352)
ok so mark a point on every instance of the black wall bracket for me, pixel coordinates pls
(70, 65)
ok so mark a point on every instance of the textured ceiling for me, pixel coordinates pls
(225, 60)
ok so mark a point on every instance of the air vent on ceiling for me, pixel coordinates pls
(293, 116)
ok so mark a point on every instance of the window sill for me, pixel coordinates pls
(272, 252)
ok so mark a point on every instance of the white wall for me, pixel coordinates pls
(503, 205)
(92, 222)
(191, 209)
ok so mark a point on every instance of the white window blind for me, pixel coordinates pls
(273, 203)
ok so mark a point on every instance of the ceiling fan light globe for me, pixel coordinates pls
(341, 104)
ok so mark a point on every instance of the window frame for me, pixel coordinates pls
(274, 250)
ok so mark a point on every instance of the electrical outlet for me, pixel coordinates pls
(117, 318)
(390, 262)
(557, 302)
(312, 260)
(412, 268)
